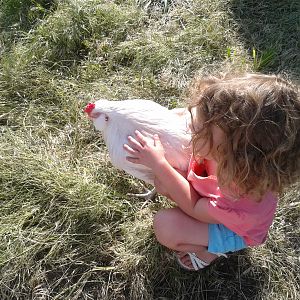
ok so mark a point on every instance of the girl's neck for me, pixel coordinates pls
(211, 166)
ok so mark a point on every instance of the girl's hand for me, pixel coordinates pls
(145, 150)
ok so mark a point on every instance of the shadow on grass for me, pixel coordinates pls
(231, 279)
(272, 29)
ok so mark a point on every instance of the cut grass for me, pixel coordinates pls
(67, 227)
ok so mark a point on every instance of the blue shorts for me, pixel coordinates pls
(223, 240)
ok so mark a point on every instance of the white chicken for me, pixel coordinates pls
(119, 119)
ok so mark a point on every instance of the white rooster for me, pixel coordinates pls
(119, 119)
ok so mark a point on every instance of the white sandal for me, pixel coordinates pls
(196, 261)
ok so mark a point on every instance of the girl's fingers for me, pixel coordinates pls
(147, 134)
(133, 160)
(156, 140)
(134, 143)
(141, 138)
(129, 149)
(133, 152)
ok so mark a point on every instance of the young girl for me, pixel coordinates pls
(246, 146)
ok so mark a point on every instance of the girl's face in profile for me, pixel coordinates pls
(203, 147)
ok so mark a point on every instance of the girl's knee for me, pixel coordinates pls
(159, 220)
(164, 225)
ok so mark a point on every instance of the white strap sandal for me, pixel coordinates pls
(196, 261)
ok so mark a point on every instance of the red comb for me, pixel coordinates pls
(90, 106)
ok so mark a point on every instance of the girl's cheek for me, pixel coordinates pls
(203, 150)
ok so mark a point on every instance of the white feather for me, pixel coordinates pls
(118, 119)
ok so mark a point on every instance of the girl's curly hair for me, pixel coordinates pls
(260, 117)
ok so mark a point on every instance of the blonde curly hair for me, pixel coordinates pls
(260, 117)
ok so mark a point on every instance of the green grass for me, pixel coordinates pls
(68, 229)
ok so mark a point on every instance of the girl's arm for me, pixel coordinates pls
(160, 187)
(150, 153)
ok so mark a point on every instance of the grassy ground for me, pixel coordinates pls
(68, 230)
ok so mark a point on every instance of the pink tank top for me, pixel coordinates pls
(249, 219)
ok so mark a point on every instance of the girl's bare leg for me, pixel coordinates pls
(178, 231)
